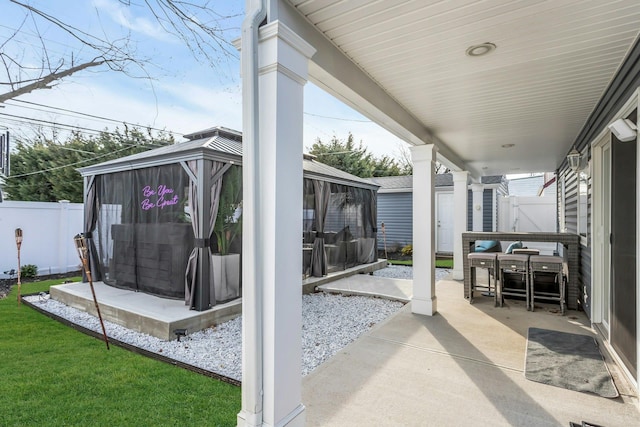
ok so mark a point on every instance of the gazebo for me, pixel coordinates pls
(168, 221)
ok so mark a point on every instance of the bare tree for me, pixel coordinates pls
(196, 24)
(403, 156)
(404, 159)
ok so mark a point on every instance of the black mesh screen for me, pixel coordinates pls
(349, 228)
(143, 234)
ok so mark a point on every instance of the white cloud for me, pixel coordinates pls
(122, 15)
(211, 107)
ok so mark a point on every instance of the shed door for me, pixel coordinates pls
(623, 251)
(444, 202)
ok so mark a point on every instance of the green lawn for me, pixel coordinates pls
(400, 262)
(53, 375)
(440, 263)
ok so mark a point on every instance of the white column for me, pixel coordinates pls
(424, 248)
(476, 204)
(272, 245)
(460, 201)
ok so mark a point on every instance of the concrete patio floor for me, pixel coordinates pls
(463, 366)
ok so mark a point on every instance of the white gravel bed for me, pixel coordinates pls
(329, 323)
(404, 272)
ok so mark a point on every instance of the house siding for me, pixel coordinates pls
(621, 88)
(582, 292)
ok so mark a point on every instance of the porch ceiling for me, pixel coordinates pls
(552, 63)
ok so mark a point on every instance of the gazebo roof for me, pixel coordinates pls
(216, 143)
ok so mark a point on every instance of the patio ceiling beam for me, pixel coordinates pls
(334, 72)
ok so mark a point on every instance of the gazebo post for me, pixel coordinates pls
(202, 291)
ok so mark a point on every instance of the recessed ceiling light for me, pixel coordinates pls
(480, 49)
(508, 145)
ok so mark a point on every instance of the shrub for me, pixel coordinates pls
(407, 250)
(28, 271)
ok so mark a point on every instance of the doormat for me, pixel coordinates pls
(567, 360)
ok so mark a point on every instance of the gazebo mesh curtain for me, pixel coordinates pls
(92, 208)
(322, 193)
(191, 277)
(142, 234)
(343, 224)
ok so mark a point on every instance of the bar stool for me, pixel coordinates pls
(516, 264)
(483, 260)
(547, 264)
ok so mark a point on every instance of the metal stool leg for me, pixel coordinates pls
(472, 284)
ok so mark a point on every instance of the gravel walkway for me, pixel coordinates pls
(329, 323)
(403, 272)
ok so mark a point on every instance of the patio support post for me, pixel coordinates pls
(477, 205)
(460, 200)
(272, 239)
(424, 248)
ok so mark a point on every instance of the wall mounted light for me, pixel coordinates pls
(574, 159)
(624, 129)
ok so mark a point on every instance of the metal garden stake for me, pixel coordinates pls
(83, 253)
(19, 244)
(384, 239)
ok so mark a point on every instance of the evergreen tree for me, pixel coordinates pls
(45, 171)
(353, 158)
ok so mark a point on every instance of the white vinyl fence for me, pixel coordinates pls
(48, 230)
(533, 214)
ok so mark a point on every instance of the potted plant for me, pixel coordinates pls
(228, 226)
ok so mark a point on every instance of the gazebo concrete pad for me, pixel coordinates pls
(142, 312)
(160, 317)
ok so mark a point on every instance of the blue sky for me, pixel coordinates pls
(184, 95)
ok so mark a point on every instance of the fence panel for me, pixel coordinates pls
(48, 230)
(533, 214)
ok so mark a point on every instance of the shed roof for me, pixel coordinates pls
(405, 182)
(216, 143)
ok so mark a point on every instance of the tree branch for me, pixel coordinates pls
(46, 81)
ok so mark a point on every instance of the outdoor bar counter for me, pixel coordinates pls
(571, 243)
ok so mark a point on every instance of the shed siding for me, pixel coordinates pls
(469, 210)
(487, 210)
(396, 211)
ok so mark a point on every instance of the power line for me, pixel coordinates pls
(53, 126)
(48, 122)
(86, 115)
(128, 147)
(338, 118)
(63, 125)
(70, 164)
(62, 114)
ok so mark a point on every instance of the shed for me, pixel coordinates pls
(168, 221)
(395, 204)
